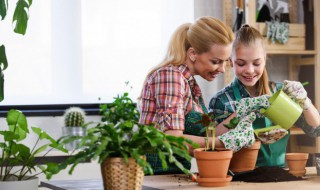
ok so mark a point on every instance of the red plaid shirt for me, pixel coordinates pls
(167, 97)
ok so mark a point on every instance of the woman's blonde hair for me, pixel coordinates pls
(247, 36)
(201, 35)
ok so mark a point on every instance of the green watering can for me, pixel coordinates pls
(283, 111)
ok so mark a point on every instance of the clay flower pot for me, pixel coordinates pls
(297, 163)
(214, 182)
(213, 167)
(245, 159)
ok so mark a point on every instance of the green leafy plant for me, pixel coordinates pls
(74, 117)
(120, 135)
(20, 23)
(18, 161)
(233, 123)
(209, 123)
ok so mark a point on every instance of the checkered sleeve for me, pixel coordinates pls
(218, 106)
(308, 130)
(165, 100)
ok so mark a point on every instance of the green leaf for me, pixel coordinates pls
(163, 159)
(43, 135)
(17, 119)
(21, 17)
(3, 8)
(232, 123)
(24, 151)
(3, 58)
(9, 135)
(40, 149)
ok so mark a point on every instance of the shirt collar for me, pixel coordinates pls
(186, 72)
(242, 89)
(195, 89)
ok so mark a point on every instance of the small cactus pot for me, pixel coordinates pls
(73, 131)
(74, 119)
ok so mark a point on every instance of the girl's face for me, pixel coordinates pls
(249, 63)
(212, 63)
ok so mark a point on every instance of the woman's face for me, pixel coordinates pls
(211, 63)
(249, 63)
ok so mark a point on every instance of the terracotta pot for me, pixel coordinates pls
(214, 182)
(245, 159)
(213, 165)
(297, 163)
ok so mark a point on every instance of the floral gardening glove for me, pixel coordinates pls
(241, 136)
(297, 93)
(248, 105)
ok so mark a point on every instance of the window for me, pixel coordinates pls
(78, 51)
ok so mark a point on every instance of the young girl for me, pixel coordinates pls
(171, 98)
(249, 64)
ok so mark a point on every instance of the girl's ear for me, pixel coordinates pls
(192, 55)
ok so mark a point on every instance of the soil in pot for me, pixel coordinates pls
(245, 159)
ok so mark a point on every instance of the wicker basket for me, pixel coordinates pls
(117, 175)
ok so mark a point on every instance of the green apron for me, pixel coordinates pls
(269, 154)
(190, 129)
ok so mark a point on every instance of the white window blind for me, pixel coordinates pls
(77, 51)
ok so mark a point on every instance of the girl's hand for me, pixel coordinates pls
(241, 136)
(297, 93)
(248, 105)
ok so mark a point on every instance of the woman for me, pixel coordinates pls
(171, 98)
(251, 81)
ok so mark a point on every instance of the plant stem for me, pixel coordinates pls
(213, 138)
(6, 170)
(2, 165)
(207, 146)
(22, 173)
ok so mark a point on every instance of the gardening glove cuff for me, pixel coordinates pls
(296, 92)
(247, 105)
(241, 136)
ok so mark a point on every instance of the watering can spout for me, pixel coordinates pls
(262, 110)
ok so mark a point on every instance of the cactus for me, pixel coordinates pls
(74, 117)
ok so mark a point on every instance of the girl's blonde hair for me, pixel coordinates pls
(247, 36)
(205, 32)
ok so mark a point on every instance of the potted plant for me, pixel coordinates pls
(120, 144)
(212, 163)
(74, 120)
(17, 161)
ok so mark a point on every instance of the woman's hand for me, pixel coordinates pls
(297, 93)
(241, 136)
